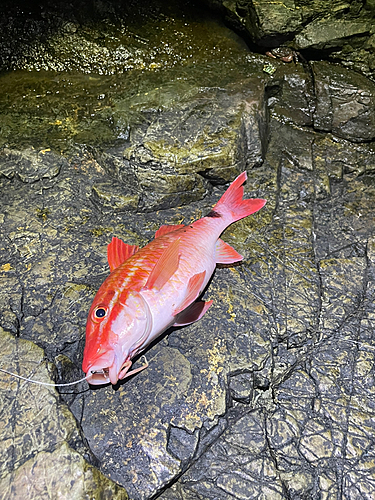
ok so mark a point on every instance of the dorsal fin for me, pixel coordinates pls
(118, 252)
(167, 229)
(165, 267)
(193, 290)
(225, 254)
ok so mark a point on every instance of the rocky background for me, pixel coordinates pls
(116, 118)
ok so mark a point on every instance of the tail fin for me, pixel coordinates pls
(232, 206)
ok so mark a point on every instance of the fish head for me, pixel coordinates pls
(118, 326)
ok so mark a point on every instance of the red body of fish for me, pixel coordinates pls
(153, 288)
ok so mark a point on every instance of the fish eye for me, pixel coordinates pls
(100, 312)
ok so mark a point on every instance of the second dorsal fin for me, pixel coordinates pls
(118, 252)
(167, 229)
(165, 267)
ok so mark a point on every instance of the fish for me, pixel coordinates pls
(152, 288)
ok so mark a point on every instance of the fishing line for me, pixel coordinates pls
(42, 383)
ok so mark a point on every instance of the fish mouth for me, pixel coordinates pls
(97, 375)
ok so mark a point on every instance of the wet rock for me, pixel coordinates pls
(335, 100)
(241, 387)
(37, 479)
(358, 54)
(340, 31)
(264, 21)
(110, 37)
(291, 94)
(128, 429)
(238, 466)
(346, 40)
(303, 279)
(38, 430)
(113, 196)
(212, 136)
(313, 24)
(181, 443)
(29, 165)
(327, 33)
(345, 103)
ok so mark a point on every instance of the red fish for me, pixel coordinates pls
(153, 288)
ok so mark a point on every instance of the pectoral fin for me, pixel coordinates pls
(193, 313)
(165, 267)
(167, 229)
(118, 252)
(193, 290)
(225, 254)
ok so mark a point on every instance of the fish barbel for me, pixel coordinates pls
(155, 287)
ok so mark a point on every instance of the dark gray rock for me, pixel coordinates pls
(241, 387)
(182, 444)
(340, 31)
(42, 445)
(345, 103)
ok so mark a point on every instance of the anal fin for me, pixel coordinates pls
(194, 289)
(193, 313)
(165, 267)
(118, 252)
(225, 254)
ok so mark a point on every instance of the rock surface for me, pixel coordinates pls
(335, 30)
(42, 453)
(269, 396)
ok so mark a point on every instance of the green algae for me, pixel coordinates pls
(99, 231)
(106, 76)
